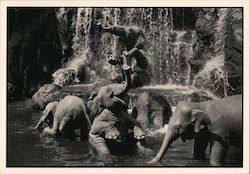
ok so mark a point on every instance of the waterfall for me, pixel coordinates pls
(81, 47)
(95, 48)
(181, 51)
(169, 49)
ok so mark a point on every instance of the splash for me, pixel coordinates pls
(167, 87)
(162, 130)
(213, 76)
(181, 89)
(65, 76)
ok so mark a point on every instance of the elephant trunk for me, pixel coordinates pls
(86, 114)
(45, 118)
(169, 138)
(39, 124)
(125, 86)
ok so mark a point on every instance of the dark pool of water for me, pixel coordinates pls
(25, 148)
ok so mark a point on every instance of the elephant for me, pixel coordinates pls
(65, 116)
(46, 94)
(216, 121)
(131, 43)
(128, 36)
(109, 107)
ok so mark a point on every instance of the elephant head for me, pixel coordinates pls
(109, 96)
(48, 113)
(187, 120)
(105, 98)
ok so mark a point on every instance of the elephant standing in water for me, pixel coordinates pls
(112, 120)
(216, 121)
(65, 116)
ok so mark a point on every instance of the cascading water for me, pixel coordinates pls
(167, 56)
(181, 51)
(169, 49)
(92, 49)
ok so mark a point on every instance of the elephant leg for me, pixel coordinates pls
(66, 128)
(218, 152)
(135, 125)
(142, 147)
(113, 133)
(200, 144)
(99, 144)
(48, 132)
(139, 133)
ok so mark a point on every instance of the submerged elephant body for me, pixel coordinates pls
(216, 121)
(68, 114)
(112, 120)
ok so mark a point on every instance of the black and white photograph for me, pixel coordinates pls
(125, 87)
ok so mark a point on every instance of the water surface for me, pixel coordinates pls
(25, 148)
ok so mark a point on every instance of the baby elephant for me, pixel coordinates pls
(65, 116)
(216, 121)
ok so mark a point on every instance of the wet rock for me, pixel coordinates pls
(47, 93)
(234, 50)
(64, 77)
(219, 32)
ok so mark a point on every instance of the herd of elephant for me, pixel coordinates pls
(104, 120)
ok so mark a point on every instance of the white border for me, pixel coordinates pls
(127, 3)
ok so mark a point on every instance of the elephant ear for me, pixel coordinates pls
(98, 104)
(199, 117)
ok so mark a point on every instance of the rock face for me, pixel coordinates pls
(64, 77)
(218, 61)
(34, 48)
